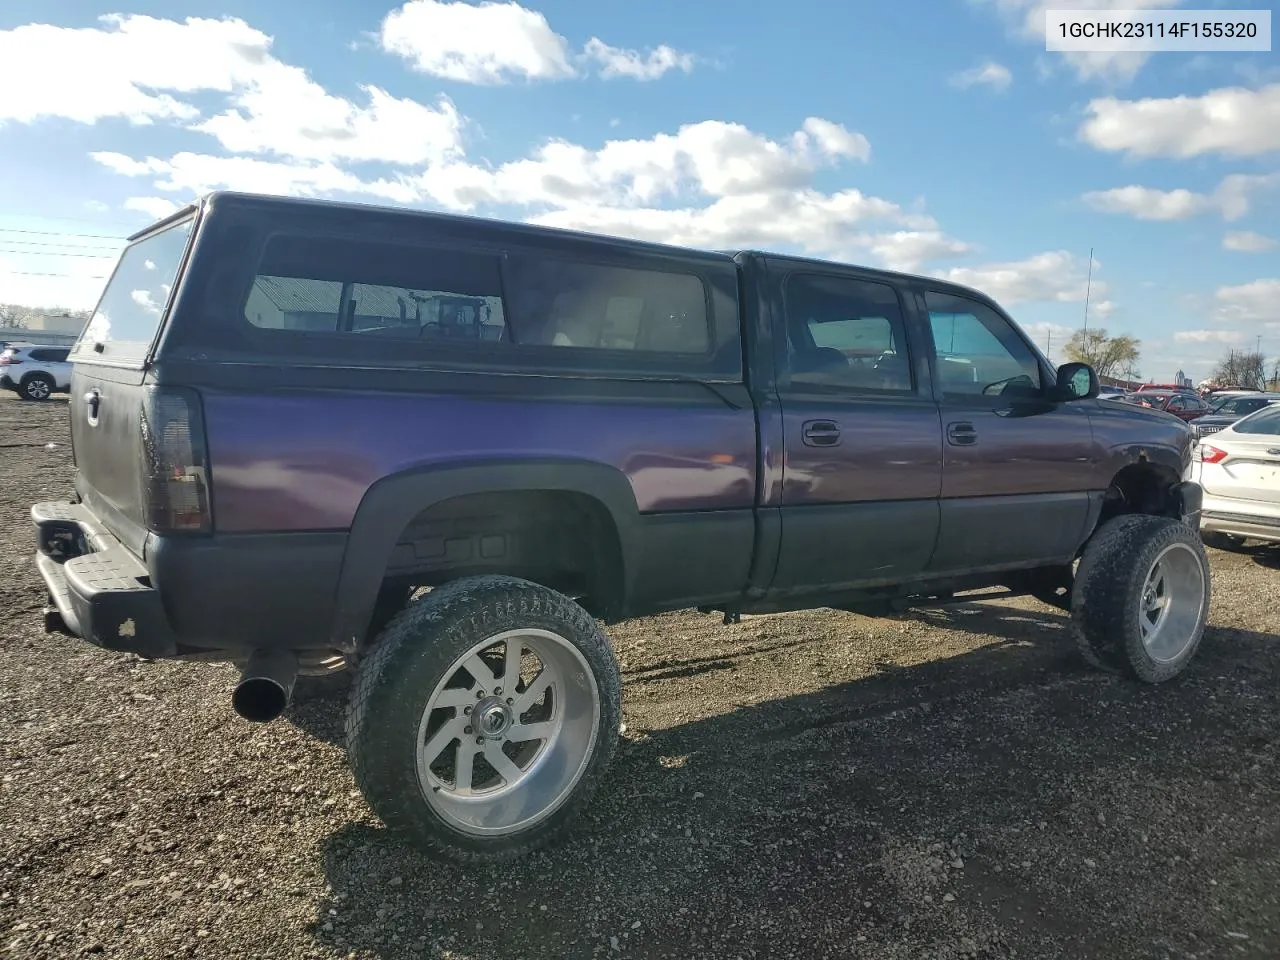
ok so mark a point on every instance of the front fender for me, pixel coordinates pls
(390, 503)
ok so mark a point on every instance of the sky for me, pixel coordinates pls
(931, 136)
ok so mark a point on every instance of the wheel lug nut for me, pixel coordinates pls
(510, 700)
(479, 694)
(466, 729)
(466, 710)
(497, 691)
(479, 739)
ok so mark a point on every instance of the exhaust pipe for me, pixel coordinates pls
(266, 684)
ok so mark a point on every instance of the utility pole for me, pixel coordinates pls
(1088, 288)
(1048, 345)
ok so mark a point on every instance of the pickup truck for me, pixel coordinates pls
(429, 457)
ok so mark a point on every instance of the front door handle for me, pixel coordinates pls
(962, 433)
(821, 433)
(92, 403)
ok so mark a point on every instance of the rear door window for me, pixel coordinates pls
(128, 315)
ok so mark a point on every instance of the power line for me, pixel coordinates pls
(27, 273)
(59, 233)
(45, 253)
(73, 246)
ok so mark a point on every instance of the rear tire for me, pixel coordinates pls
(441, 697)
(36, 386)
(1141, 597)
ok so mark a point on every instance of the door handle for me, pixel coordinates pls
(92, 402)
(961, 433)
(821, 433)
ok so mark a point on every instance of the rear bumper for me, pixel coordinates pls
(186, 596)
(1241, 518)
(98, 589)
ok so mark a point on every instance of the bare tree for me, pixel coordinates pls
(1107, 355)
(1242, 368)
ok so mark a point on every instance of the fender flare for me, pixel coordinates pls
(391, 502)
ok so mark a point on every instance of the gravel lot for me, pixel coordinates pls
(945, 784)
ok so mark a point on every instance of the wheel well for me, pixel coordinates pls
(1142, 487)
(563, 540)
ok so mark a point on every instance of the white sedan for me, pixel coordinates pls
(1239, 469)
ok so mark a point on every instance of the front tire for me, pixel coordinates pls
(484, 718)
(1141, 597)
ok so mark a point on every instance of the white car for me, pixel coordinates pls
(1239, 470)
(35, 372)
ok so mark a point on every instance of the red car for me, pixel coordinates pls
(1184, 406)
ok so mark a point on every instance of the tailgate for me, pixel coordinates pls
(106, 409)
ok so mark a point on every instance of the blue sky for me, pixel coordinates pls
(937, 137)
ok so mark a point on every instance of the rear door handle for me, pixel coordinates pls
(961, 433)
(821, 433)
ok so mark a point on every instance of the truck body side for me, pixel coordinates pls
(324, 471)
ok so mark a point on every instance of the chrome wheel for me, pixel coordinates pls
(508, 732)
(38, 389)
(1171, 603)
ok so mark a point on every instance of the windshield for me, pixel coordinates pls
(1240, 405)
(129, 313)
(1264, 421)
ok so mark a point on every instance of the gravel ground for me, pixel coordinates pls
(945, 784)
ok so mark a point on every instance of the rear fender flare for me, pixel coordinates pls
(390, 503)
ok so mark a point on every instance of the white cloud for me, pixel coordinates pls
(1053, 276)
(133, 66)
(989, 74)
(1025, 21)
(1208, 336)
(495, 43)
(712, 158)
(1231, 199)
(1256, 302)
(617, 62)
(908, 250)
(192, 174)
(157, 208)
(1246, 241)
(1232, 121)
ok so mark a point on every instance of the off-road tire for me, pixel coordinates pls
(41, 384)
(416, 650)
(1107, 595)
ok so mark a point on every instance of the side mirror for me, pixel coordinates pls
(1076, 381)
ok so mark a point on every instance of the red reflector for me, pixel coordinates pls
(1212, 454)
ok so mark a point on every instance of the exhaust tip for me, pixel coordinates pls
(259, 699)
(265, 686)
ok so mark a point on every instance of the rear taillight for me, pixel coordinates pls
(175, 462)
(1208, 454)
(7, 361)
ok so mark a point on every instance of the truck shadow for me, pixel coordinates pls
(831, 819)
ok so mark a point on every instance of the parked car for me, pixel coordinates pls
(1184, 406)
(1230, 410)
(303, 413)
(35, 372)
(1110, 393)
(1166, 388)
(1239, 471)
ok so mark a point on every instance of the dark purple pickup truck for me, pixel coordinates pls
(428, 455)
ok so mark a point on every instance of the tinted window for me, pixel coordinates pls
(569, 304)
(49, 355)
(1178, 403)
(1242, 405)
(129, 313)
(979, 352)
(846, 334)
(1265, 422)
(350, 289)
